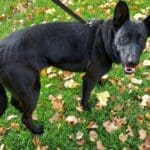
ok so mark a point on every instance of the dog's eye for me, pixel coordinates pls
(124, 39)
(141, 38)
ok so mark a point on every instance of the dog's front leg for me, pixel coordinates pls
(89, 82)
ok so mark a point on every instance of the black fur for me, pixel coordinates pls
(71, 46)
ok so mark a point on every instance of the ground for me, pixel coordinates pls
(120, 117)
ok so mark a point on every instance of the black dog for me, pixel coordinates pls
(71, 46)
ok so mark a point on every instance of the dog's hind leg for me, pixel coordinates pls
(3, 100)
(29, 102)
(24, 84)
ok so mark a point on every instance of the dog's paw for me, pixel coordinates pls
(38, 129)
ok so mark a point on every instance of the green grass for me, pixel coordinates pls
(56, 135)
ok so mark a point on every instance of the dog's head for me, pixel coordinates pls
(129, 37)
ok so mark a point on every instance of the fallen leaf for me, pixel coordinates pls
(93, 136)
(145, 100)
(70, 84)
(66, 75)
(21, 8)
(147, 116)
(43, 73)
(102, 97)
(109, 126)
(92, 125)
(79, 135)
(142, 134)
(136, 81)
(11, 117)
(14, 126)
(3, 130)
(50, 11)
(48, 85)
(129, 131)
(56, 118)
(80, 142)
(2, 147)
(57, 103)
(146, 75)
(140, 119)
(146, 144)
(123, 137)
(99, 145)
(146, 63)
(139, 16)
(147, 90)
(115, 124)
(38, 144)
(72, 120)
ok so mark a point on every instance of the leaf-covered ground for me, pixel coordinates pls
(120, 117)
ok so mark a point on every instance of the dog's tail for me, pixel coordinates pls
(3, 100)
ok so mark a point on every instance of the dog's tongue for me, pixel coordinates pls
(129, 69)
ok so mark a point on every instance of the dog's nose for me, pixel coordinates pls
(131, 63)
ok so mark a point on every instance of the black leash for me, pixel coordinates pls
(69, 11)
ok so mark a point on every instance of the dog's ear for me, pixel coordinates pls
(121, 14)
(147, 24)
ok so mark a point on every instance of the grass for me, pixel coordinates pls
(56, 135)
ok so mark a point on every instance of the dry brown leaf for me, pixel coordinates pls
(147, 116)
(147, 90)
(79, 135)
(146, 144)
(146, 63)
(102, 97)
(140, 119)
(3, 130)
(109, 126)
(145, 100)
(71, 84)
(79, 138)
(79, 108)
(66, 75)
(14, 126)
(21, 8)
(80, 142)
(38, 144)
(123, 137)
(56, 118)
(146, 75)
(136, 81)
(93, 136)
(50, 11)
(115, 124)
(43, 73)
(129, 131)
(72, 120)
(99, 145)
(142, 134)
(92, 125)
(57, 103)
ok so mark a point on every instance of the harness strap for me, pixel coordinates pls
(69, 11)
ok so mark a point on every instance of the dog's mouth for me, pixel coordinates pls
(129, 69)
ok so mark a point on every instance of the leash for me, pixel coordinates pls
(69, 11)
